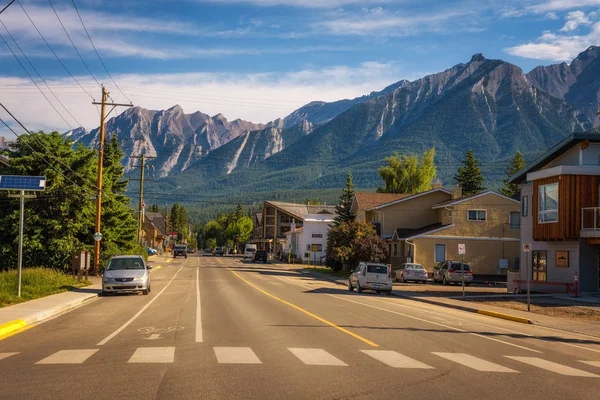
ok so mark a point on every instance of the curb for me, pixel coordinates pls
(505, 316)
(13, 327)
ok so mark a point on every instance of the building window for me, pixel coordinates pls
(440, 253)
(515, 220)
(317, 235)
(539, 265)
(395, 249)
(525, 206)
(477, 215)
(548, 203)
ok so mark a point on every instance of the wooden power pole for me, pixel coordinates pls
(103, 116)
(142, 179)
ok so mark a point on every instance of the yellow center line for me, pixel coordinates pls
(222, 263)
(339, 328)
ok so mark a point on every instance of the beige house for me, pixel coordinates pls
(428, 227)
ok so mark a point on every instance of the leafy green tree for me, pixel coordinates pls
(406, 174)
(469, 176)
(372, 248)
(341, 242)
(214, 231)
(516, 164)
(344, 214)
(245, 228)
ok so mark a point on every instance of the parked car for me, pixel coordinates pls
(180, 250)
(191, 250)
(218, 251)
(249, 251)
(411, 272)
(260, 255)
(126, 274)
(453, 272)
(151, 251)
(372, 276)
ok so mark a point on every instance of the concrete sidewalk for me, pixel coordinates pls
(20, 316)
(585, 328)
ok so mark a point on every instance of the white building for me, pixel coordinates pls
(309, 243)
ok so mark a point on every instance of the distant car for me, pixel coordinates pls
(151, 251)
(249, 251)
(411, 272)
(180, 250)
(218, 251)
(453, 272)
(231, 251)
(126, 274)
(260, 255)
(372, 276)
(190, 249)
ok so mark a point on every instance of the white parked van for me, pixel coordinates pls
(372, 276)
(249, 251)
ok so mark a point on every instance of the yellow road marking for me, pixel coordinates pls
(168, 260)
(222, 263)
(158, 267)
(346, 331)
(12, 328)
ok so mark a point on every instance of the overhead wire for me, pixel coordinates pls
(96, 51)
(35, 83)
(5, 7)
(52, 50)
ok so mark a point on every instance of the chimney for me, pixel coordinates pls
(436, 184)
(456, 192)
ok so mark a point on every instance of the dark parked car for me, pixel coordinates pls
(191, 250)
(218, 251)
(260, 255)
(180, 250)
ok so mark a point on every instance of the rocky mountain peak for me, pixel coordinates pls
(477, 58)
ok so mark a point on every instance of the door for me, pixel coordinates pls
(440, 253)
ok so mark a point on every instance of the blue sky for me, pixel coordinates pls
(261, 59)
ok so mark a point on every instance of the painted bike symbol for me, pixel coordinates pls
(150, 329)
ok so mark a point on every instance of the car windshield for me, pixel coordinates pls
(125, 263)
(377, 269)
(250, 250)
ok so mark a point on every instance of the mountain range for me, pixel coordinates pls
(489, 106)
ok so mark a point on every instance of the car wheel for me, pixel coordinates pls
(444, 281)
(402, 279)
(388, 293)
(468, 284)
(350, 287)
(358, 288)
(145, 292)
(103, 294)
(149, 288)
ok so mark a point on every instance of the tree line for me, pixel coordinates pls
(232, 229)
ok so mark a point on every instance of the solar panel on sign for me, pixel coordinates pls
(21, 182)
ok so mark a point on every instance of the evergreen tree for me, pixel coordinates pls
(469, 176)
(154, 208)
(406, 174)
(516, 164)
(344, 214)
(239, 212)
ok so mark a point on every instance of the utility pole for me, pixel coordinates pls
(141, 198)
(103, 116)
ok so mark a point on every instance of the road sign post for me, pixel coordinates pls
(461, 251)
(527, 250)
(22, 184)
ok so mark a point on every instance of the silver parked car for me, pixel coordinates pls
(411, 272)
(452, 272)
(126, 274)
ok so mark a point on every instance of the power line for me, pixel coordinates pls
(5, 7)
(53, 52)
(73, 44)
(34, 82)
(96, 51)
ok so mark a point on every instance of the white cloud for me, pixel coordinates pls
(575, 19)
(562, 5)
(258, 97)
(557, 47)
(302, 3)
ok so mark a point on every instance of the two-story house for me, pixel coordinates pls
(427, 228)
(560, 216)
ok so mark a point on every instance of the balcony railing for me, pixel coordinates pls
(590, 222)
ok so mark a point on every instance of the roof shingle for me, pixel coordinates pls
(367, 201)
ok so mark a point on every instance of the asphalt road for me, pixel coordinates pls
(218, 328)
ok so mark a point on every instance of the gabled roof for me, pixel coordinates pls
(405, 233)
(470, 197)
(368, 200)
(413, 196)
(300, 210)
(553, 153)
(158, 220)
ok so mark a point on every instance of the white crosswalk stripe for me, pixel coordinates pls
(152, 355)
(396, 360)
(592, 363)
(552, 366)
(236, 355)
(316, 357)
(68, 356)
(474, 363)
(6, 355)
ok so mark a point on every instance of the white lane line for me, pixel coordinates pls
(68, 357)
(316, 357)
(198, 309)
(435, 323)
(552, 366)
(126, 324)
(153, 355)
(6, 355)
(592, 363)
(474, 363)
(236, 355)
(395, 359)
